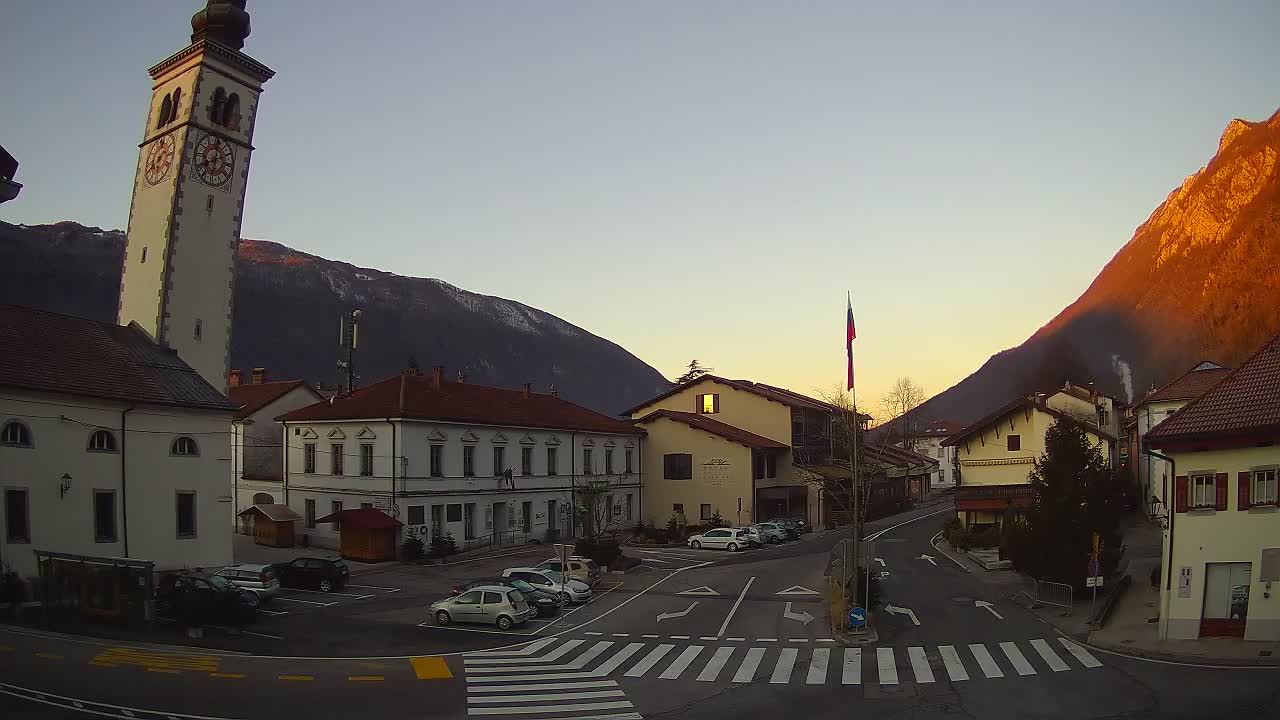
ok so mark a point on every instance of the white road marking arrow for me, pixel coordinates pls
(881, 561)
(682, 613)
(929, 558)
(987, 605)
(895, 610)
(704, 590)
(803, 616)
(798, 590)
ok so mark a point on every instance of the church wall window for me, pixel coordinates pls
(231, 113)
(166, 106)
(216, 106)
(177, 102)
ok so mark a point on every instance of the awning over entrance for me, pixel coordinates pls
(994, 498)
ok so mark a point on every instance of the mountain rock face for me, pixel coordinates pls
(287, 305)
(1199, 280)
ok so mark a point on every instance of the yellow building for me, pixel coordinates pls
(730, 447)
(1222, 536)
(996, 454)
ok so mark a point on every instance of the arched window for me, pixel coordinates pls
(215, 107)
(231, 113)
(184, 445)
(177, 102)
(15, 434)
(102, 441)
(263, 499)
(166, 106)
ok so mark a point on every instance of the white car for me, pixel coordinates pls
(550, 580)
(731, 539)
(770, 533)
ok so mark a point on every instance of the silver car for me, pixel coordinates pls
(488, 604)
(574, 591)
(770, 532)
(261, 580)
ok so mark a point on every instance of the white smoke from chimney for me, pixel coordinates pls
(1121, 369)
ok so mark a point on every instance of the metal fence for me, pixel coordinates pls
(100, 588)
(1055, 594)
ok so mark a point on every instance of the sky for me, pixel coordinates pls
(689, 180)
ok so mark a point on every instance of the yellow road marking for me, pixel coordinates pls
(155, 659)
(95, 663)
(233, 676)
(49, 656)
(430, 668)
(366, 678)
(168, 671)
(294, 677)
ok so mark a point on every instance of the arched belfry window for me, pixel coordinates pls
(177, 103)
(231, 113)
(216, 107)
(166, 106)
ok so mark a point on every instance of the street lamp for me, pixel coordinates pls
(65, 486)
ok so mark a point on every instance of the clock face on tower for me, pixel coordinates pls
(213, 161)
(159, 157)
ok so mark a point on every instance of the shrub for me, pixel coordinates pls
(603, 551)
(639, 529)
(12, 589)
(443, 546)
(412, 549)
(952, 530)
(716, 520)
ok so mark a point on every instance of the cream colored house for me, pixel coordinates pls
(996, 454)
(732, 447)
(257, 449)
(1222, 533)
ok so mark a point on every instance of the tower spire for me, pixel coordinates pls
(222, 21)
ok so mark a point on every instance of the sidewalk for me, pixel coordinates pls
(245, 550)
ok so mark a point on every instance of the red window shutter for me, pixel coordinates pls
(697, 407)
(1242, 496)
(715, 402)
(1181, 493)
(1220, 488)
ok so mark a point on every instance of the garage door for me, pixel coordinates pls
(1226, 599)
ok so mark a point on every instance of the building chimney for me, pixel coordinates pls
(524, 390)
(437, 376)
(554, 391)
(235, 378)
(462, 377)
(259, 376)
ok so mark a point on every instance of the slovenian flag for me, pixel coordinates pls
(850, 334)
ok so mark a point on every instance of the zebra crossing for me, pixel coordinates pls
(575, 674)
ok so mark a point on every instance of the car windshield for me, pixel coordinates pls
(523, 586)
(220, 583)
(553, 574)
(515, 597)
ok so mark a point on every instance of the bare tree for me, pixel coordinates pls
(900, 403)
(846, 438)
(596, 508)
(694, 372)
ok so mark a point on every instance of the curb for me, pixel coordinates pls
(1184, 659)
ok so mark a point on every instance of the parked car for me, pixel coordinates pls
(752, 534)
(580, 568)
(545, 602)
(731, 539)
(789, 531)
(551, 581)
(490, 604)
(323, 574)
(203, 599)
(770, 533)
(798, 524)
(261, 580)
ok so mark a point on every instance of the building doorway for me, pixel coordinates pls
(551, 520)
(1226, 599)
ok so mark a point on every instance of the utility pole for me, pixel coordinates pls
(348, 338)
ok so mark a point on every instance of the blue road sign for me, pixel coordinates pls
(1095, 568)
(857, 617)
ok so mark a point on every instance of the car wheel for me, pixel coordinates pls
(326, 585)
(251, 600)
(564, 599)
(695, 545)
(731, 547)
(505, 623)
(442, 618)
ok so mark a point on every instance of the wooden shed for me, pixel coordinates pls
(366, 534)
(272, 524)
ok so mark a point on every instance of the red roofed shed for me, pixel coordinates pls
(366, 534)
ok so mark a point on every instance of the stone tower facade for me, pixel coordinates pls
(188, 194)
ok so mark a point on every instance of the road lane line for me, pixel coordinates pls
(717, 662)
(818, 667)
(545, 697)
(651, 559)
(335, 594)
(49, 656)
(620, 635)
(1080, 653)
(1017, 658)
(652, 637)
(229, 676)
(375, 587)
(472, 681)
(594, 634)
(298, 678)
(709, 637)
(550, 708)
(618, 658)
(951, 658)
(521, 666)
(736, 603)
(747, 670)
(766, 639)
(741, 639)
(366, 678)
(681, 663)
(852, 672)
(920, 664)
(431, 667)
(1047, 654)
(558, 686)
(550, 657)
(878, 533)
(273, 612)
(649, 661)
(782, 669)
(985, 661)
(306, 602)
(679, 637)
(887, 667)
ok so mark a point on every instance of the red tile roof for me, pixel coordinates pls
(47, 352)
(938, 428)
(1190, 385)
(1246, 401)
(1038, 404)
(361, 519)
(252, 398)
(419, 398)
(715, 427)
(786, 397)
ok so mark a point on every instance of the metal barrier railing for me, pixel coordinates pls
(1055, 594)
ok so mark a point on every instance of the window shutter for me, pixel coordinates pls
(715, 402)
(1220, 487)
(697, 399)
(1181, 491)
(1243, 491)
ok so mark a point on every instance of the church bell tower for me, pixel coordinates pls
(188, 193)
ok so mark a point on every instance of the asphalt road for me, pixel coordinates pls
(696, 634)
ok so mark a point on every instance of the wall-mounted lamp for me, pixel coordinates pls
(65, 486)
